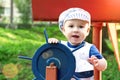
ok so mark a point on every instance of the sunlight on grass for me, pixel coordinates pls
(6, 40)
(3, 40)
(33, 41)
(10, 35)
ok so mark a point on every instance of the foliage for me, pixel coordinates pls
(24, 7)
(112, 72)
(1, 10)
(25, 41)
(21, 42)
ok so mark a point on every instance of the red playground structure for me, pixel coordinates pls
(102, 11)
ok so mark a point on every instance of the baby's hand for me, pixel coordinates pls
(94, 60)
(53, 40)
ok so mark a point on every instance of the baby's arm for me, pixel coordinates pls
(53, 40)
(100, 64)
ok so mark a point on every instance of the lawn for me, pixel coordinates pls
(25, 41)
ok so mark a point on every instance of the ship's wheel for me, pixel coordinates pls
(58, 54)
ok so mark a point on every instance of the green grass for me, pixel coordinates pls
(25, 41)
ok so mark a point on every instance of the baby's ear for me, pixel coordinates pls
(88, 31)
(63, 29)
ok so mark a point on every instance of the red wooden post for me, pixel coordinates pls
(97, 41)
(51, 72)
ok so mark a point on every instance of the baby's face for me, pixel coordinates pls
(75, 30)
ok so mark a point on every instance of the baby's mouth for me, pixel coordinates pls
(75, 36)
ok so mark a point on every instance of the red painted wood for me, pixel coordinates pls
(51, 72)
(97, 41)
(101, 10)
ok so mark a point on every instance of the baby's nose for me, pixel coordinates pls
(75, 29)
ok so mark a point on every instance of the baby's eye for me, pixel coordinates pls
(71, 26)
(81, 26)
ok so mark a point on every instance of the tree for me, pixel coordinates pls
(24, 7)
(1, 8)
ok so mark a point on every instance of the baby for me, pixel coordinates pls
(75, 23)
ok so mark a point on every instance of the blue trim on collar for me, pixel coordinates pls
(76, 46)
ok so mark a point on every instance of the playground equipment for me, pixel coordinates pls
(52, 62)
(57, 59)
(102, 11)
